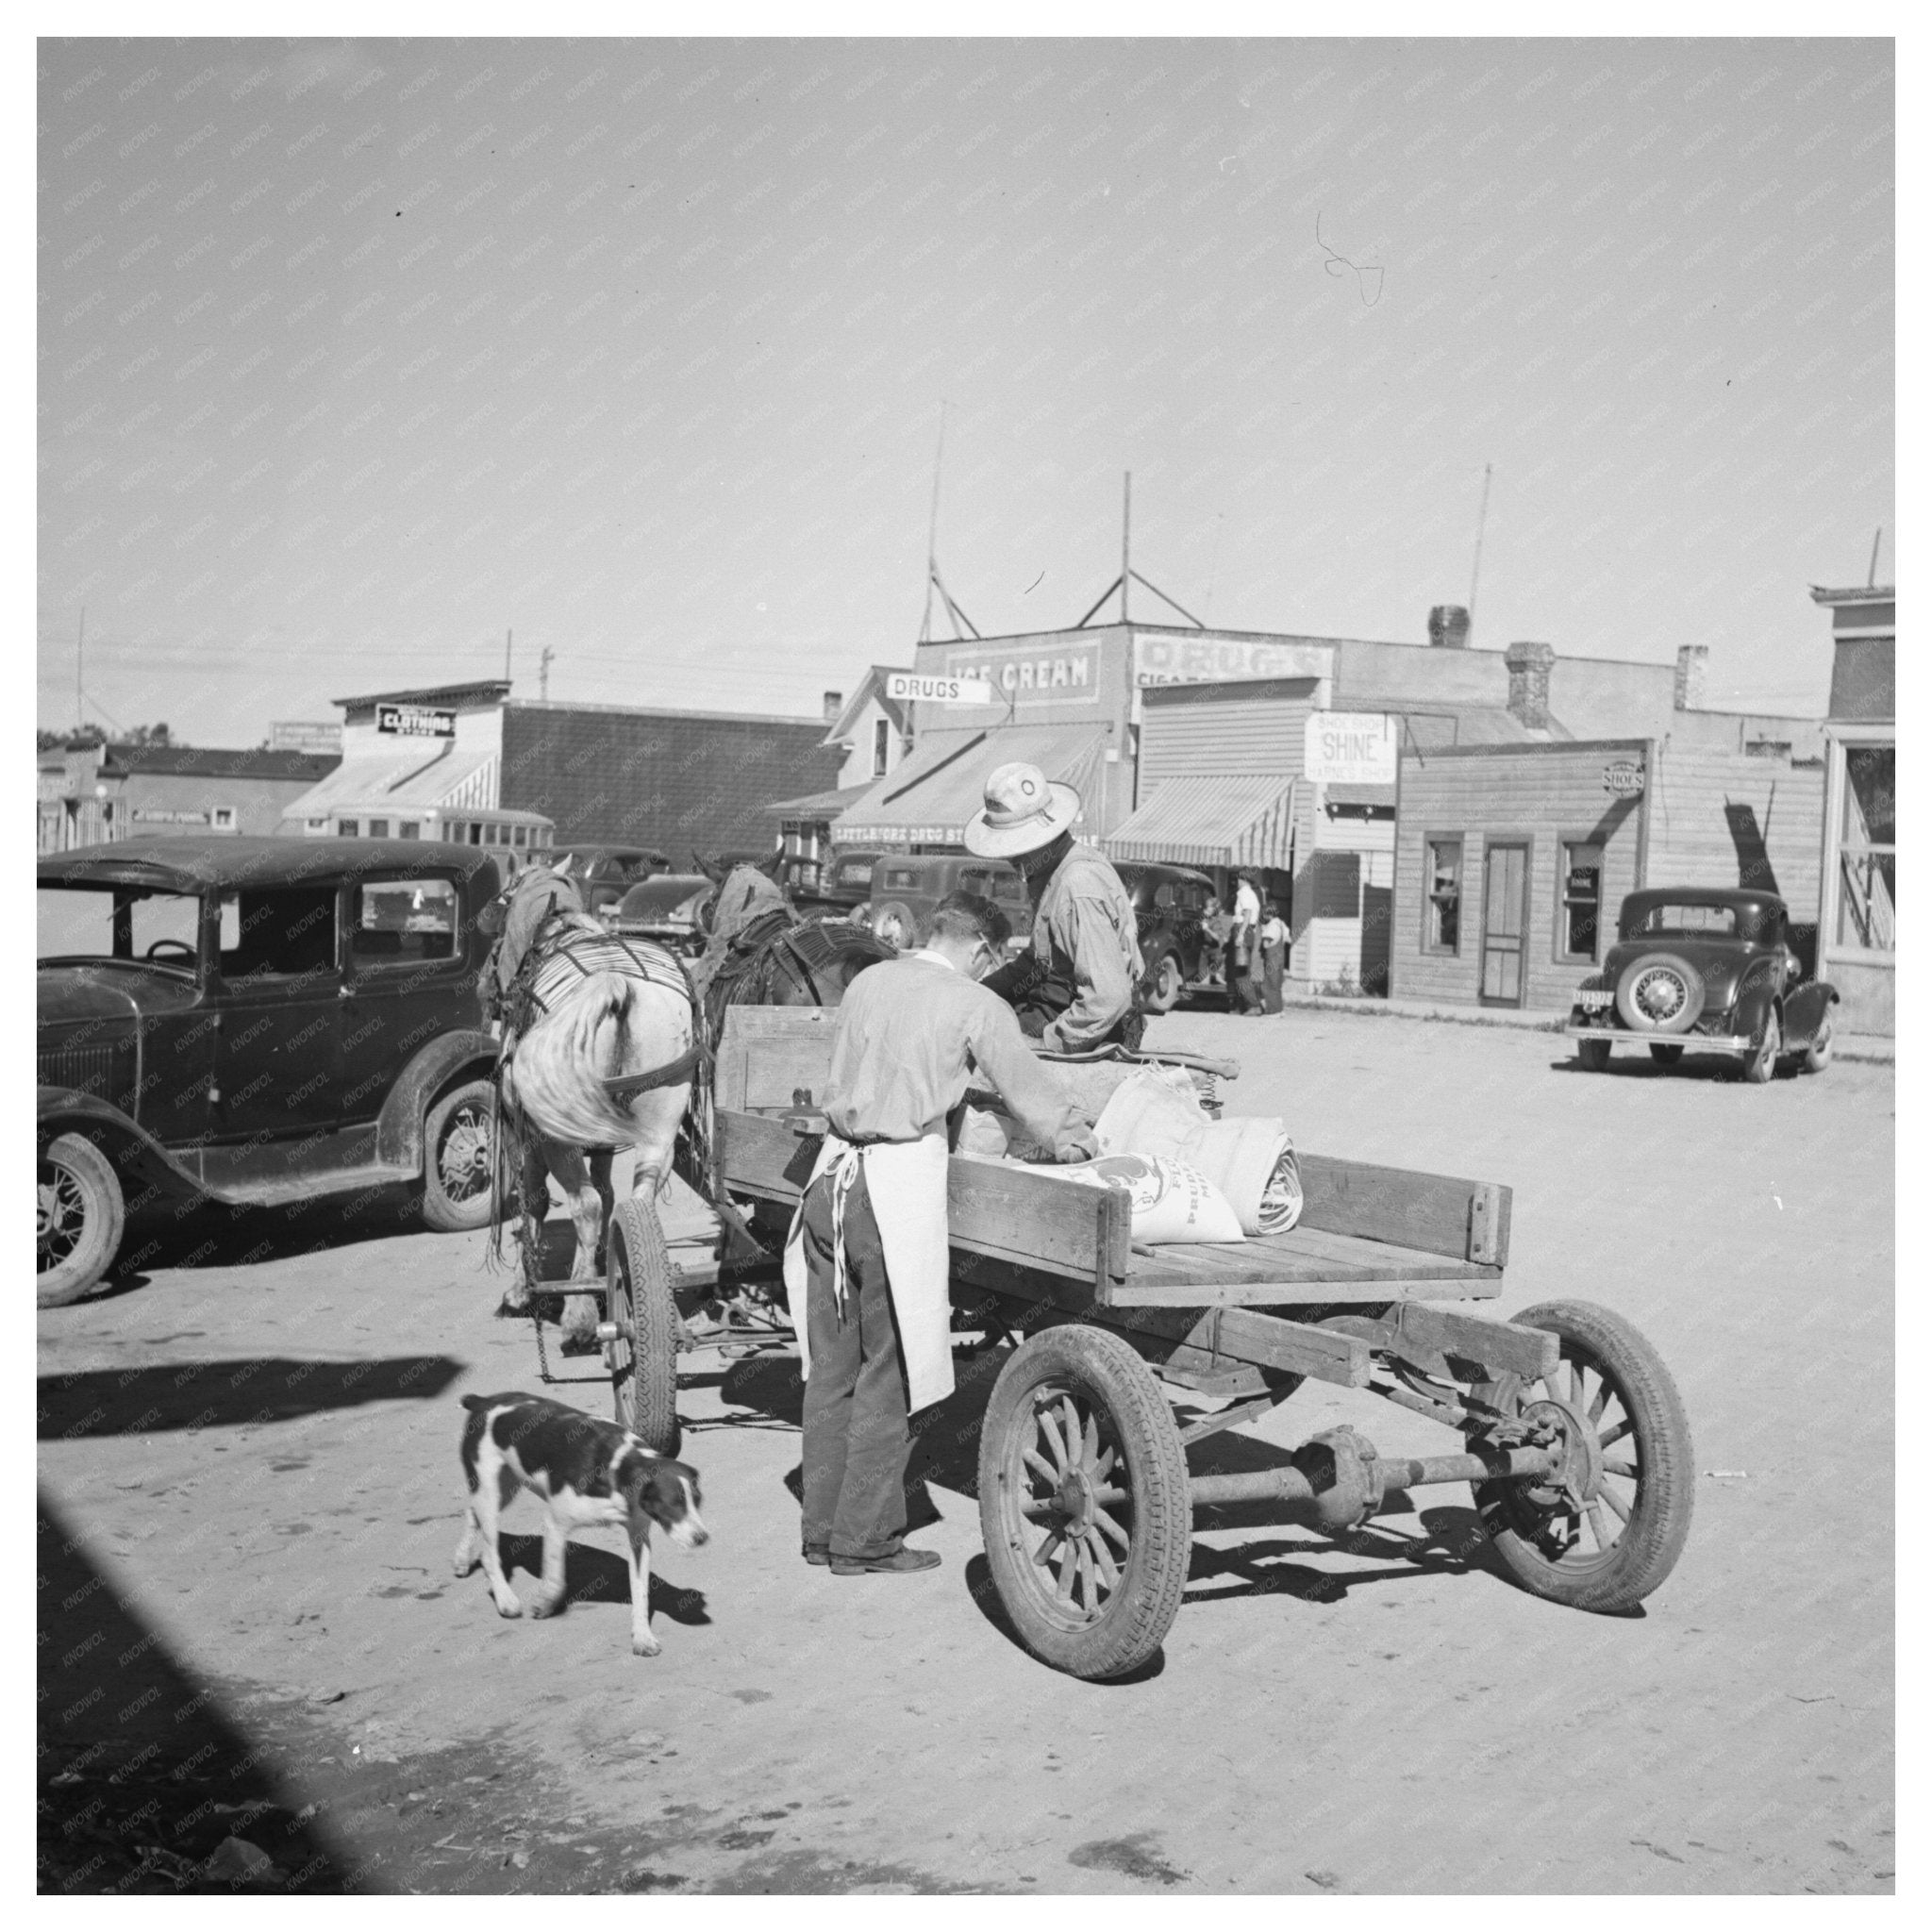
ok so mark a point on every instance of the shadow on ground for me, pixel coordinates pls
(142, 1775)
(251, 1390)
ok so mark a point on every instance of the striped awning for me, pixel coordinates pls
(1237, 822)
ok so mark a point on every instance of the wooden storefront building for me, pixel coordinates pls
(1511, 860)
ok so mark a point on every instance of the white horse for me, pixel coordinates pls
(595, 1009)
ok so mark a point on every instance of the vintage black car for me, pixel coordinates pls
(665, 910)
(605, 872)
(839, 886)
(1170, 911)
(1710, 969)
(908, 888)
(256, 1021)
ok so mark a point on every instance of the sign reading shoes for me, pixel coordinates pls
(415, 721)
(908, 685)
(1349, 748)
(1623, 780)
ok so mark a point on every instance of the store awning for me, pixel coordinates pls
(398, 780)
(823, 805)
(929, 798)
(1237, 822)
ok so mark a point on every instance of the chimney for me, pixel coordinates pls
(834, 702)
(1449, 626)
(1692, 660)
(1530, 684)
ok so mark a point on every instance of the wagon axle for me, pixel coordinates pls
(1342, 1474)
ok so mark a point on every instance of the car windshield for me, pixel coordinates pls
(1717, 920)
(118, 922)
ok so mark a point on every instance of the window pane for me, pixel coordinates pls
(1583, 866)
(402, 922)
(1870, 808)
(79, 925)
(278, 934)
(378, 829)
(349, 828)
(1445, 893)
(1868, 894)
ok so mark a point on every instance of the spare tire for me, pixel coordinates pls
(1661, 992)
(893, 922)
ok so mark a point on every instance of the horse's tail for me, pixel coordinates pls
(556, 1070)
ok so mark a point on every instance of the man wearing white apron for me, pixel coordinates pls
(867, 1262)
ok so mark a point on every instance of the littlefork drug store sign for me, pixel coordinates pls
(1350, 748)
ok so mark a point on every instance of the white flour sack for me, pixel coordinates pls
(1248, 1161)
(1171, 1201)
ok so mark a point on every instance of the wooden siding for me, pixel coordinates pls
(1188, 731)
(1544, 794)
(1325, 950)
(1722, 819)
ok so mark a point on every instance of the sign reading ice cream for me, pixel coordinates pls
(1065, 674)
(1349, 748)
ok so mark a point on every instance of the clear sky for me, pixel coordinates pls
(353, 355)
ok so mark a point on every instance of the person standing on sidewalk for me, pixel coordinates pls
(1244, 995)
(868, 1260)
(1272, 938)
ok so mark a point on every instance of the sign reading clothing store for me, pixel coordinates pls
(414, 720)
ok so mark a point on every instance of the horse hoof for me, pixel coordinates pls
(510, 1310)
(580, 1343)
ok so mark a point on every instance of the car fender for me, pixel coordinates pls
(465, 1053)
(1757, 996)
(137, 1156)
(1805, 1007)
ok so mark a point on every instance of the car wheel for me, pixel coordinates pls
(893, 922)
(1818, 1055)
(1165, 985)
(1661, 992)
(1592, 1056)
(78, 1220)
(459, 1158)
(1763, 1061)
(1665, 1055)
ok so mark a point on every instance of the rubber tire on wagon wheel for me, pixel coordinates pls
(458, 1159)
(1661, 992)
(1165, 985)
(1592, 1056)
(1665, 1055)
(1761, 1063)
(1620, 1545)
(643, 1363)
(79, 1218)
(894, 925)
(1083, 1501)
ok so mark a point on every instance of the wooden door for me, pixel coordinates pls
(1505, 909)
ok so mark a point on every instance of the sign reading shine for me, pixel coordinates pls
(415, 721)
(1349, 748)
(908, 685)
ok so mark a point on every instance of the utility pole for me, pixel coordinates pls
(932, 534)
(1127, 520)
(1872, 574)
(543, 674)
(507, 636)
(79, 655)
(1475, 567)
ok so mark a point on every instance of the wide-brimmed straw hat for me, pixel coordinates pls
(1023, 811)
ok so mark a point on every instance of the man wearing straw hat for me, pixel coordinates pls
(1076, 989)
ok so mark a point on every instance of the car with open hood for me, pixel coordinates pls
(256, 1021)
(1710, 970)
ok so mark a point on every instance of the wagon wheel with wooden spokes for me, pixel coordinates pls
(1609, 1526)
(1083, 1501)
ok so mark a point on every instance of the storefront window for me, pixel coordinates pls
(1582, 901)
(378, 829)
(1442, 911)
(349, 828)
(1867, 854)
(881, 745)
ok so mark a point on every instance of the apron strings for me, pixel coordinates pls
(841, 1174)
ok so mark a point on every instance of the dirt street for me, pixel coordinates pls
(248, 1613)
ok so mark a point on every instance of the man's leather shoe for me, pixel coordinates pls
(902, 1562)
(817, 1556)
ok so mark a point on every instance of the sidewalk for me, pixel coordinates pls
(1845, 1046)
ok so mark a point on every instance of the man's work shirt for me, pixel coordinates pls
(1247, 906)
(1084, 933)
(909, 1035)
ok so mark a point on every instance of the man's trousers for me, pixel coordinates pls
(857, 1442)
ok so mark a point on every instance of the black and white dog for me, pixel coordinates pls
(587, 1473)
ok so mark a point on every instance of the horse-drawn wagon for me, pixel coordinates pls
(1570, 1427)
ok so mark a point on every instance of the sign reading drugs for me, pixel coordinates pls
(415, 721)
(909, 685)
(1350, 748)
